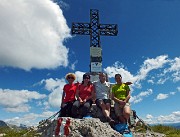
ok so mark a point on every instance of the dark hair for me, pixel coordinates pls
(86, 76)
(118, 75)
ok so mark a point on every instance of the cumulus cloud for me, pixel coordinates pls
(17, 100)
(174, 117)
(32, 34)
(175, 68)
(148, 116)
(138, 98)
(56, 88)
(79, 75)
(145, 69)
(161, 96)
(151, 64)
(119, 68)
(30, 119)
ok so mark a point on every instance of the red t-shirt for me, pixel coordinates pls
(70, 91)
(85, 91)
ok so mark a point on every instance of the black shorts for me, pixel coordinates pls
(98, 101)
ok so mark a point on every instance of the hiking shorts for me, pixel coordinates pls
(98, 102)
(119, 109)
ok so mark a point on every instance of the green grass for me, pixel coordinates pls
(16, 133)
(167, 130)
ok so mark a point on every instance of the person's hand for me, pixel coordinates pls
(80, 100)
(128, 83)
(62, 104)
(122, 103)
(84, 101)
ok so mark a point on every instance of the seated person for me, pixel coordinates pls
(84, 95)
(68, 96)
(121, 96)
(102, 90)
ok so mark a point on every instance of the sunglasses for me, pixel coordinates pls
(70, 77)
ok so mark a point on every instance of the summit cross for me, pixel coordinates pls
(95, 29)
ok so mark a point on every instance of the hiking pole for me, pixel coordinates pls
(135, 115)
(43, 122)
(53, 115)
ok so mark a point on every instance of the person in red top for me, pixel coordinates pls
(68, 96)
(84, 94)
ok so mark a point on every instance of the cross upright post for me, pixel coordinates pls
(94, 29)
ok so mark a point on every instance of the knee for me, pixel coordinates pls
(127, 114)
(87, 105)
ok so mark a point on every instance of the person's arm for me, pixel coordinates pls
(94, 96)
(62, 99)
(128, 83)
(77, 95)
(128, 96)
(91, 96)
(117, 100)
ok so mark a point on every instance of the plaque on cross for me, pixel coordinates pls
(95, 29)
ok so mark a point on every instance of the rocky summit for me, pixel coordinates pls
(87, 127)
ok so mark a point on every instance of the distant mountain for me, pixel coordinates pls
(175, 125)
(22, 126)
(3, 124)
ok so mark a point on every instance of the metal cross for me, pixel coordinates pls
(94, 29)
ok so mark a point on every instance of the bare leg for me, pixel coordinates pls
(126, 113)
(105, 109)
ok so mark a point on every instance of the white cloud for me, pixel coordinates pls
(162, 80)
(138, 98)
(175, 65)
(32, 34)
(174, 69)
(119, 68)
(172, 93)
(174, 117)
(178, 88)
(161, 96)
(148, 116)
(72, 66)
(56, 88)
(150, 81)
(151, 64)
(30, 119)
(51, 84)
(17, 100)
(62, 4)
(20, 108)
(79, 76)
(148, 65)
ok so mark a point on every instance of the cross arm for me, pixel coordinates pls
(80, 28)
(108, 29)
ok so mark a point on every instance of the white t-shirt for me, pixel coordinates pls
(102, 89)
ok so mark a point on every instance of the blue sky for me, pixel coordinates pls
(37, 50)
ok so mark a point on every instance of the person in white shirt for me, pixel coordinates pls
(102, 90)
